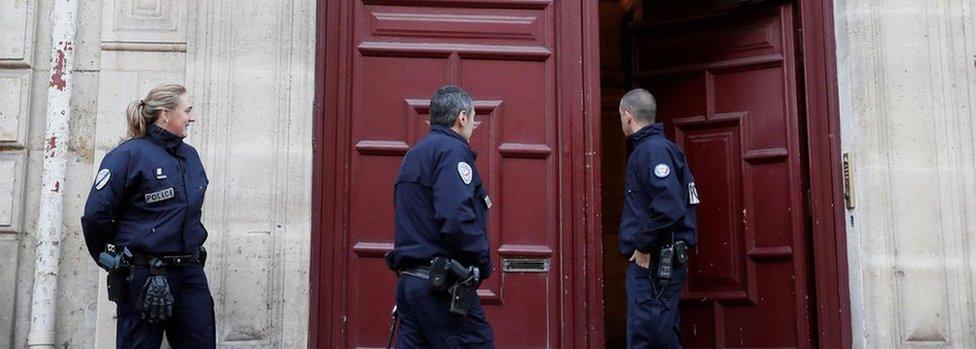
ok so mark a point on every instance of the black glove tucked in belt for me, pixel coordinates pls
(156, 300)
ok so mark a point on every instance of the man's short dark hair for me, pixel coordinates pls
(641, 104)
(447, 103)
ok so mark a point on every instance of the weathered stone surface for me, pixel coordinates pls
(123, 48)
(907, 102)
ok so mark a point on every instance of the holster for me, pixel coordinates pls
(118, 263)
(117, 282)
(460, 282)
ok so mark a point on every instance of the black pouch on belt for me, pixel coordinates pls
(460, 299)
(681, 252)
(117, 282)
(439, 269)
(202, 256)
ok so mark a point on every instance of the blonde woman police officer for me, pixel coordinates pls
(142, 224)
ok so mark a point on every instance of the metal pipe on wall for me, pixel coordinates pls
(43, 323)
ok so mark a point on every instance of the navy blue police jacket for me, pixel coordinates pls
(660, 197)
(441, 205)
(147, 196)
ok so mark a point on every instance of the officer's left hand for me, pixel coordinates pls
(642, 259)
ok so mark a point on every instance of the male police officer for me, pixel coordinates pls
(441, 245)
(657, 225)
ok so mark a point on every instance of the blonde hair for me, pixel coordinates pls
(144, 112)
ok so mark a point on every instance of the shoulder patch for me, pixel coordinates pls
(102, 178)
(465, 171)
(662, 170)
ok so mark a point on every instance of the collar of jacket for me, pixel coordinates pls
(645, 132)
(164, 138)
(447, 131)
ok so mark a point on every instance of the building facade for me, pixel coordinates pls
(297, 137)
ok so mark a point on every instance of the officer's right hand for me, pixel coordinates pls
(642, 259)
(156, 304)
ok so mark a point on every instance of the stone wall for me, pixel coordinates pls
(908, 102)
(249, 67)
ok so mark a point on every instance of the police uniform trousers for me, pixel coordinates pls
(426, 320)
(192, 324)
(652, 310)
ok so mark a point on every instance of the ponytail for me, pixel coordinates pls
(144, 112)
(136, 118)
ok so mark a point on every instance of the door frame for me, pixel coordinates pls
(582, 251)
(826, 200)
(817, 69)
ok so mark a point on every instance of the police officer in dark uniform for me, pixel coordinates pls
(441, 247)
(142, 225)
(657, 225)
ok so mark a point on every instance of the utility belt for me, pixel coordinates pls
(119, 262)
(445, 274)
(196, 258)
(417, 272)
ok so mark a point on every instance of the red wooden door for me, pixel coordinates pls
(726, 91)
(391, 56)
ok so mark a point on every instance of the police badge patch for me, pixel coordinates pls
(465, 171)
(662, 170)
(161, 195)
(102, 178)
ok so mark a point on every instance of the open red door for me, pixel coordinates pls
(727, 93)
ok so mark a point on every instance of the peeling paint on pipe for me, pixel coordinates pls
(49, 221)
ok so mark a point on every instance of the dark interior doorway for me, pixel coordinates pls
(725, 74)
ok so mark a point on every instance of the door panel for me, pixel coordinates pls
(726, 91)
(502, 52)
